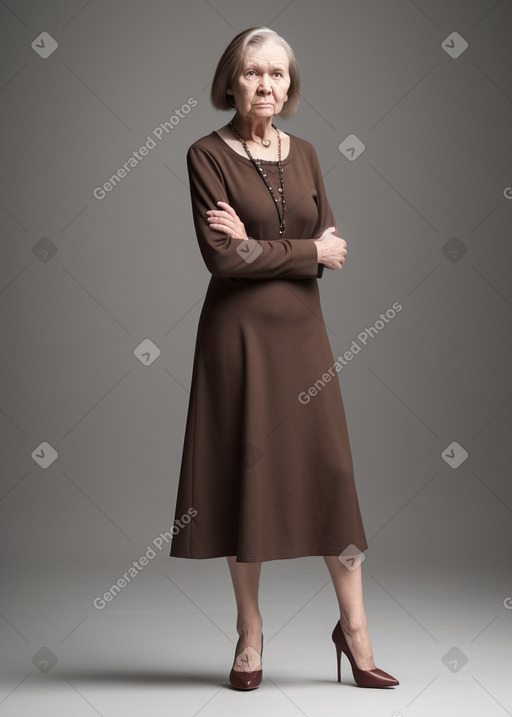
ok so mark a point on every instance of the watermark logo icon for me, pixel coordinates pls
(44, 249)
(454, 659)
(351, 147)
(454, 45)
(351, 557)
(44, 659)
(44, 45)
(249, 659)
(249, 249)
(146, 352)
(44, 455)
(454, 455)
(454, 249)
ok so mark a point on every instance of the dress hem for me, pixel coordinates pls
(307, 552)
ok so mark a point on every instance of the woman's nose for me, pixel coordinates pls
(265, 83)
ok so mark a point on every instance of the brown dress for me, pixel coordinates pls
(265, 475)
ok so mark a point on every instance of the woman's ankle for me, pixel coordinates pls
(249, 625)
(354, 625)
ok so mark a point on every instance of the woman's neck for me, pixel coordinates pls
(255, 130)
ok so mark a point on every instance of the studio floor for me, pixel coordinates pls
(165, 644)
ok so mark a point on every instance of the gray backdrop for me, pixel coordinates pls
(100, 296)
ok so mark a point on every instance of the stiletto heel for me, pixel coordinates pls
(363, 678)
(247, 680)
(338, 655)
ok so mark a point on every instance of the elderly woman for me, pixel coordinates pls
(266, 471)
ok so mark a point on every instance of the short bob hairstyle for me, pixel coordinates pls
(230, 66)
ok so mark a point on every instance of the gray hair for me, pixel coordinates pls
(230, 66)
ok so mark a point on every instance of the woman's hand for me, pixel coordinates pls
(332, 250)
(226, 220)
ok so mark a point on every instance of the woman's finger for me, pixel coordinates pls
(228, 208)
(218, 213)
(226, 220)
(212, 214)
(225, 223)
(222, 221)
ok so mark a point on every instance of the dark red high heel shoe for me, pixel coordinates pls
(363, 678)
(247, 680)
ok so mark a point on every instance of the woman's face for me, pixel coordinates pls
(264, 79)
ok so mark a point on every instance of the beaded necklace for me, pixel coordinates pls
(263, 175)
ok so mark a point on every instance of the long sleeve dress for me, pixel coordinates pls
(266, 470)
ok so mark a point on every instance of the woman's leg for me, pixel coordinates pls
(349, 591)
(246, 582)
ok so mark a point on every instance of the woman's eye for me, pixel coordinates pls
(253, 72)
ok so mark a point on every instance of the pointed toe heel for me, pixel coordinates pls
(363, 678)
(247, 680)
